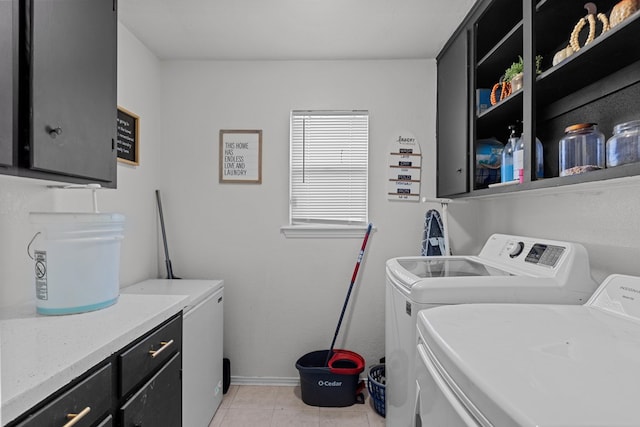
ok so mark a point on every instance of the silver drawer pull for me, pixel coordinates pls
(164, 344)
(75, 418)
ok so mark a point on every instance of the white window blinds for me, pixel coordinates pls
(329, 167)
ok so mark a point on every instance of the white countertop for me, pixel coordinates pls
(195, 290)
(41, 354)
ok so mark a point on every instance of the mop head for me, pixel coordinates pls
(433, 236)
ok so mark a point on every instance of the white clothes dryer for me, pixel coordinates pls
(509, 269)
(533, 365)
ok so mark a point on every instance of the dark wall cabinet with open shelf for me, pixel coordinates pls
(600, 83)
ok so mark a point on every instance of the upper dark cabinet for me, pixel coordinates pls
(8, 90)
(600, 84)
(58, 103)
(71, 52)
(452, 127)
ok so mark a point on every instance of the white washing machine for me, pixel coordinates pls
(533, 365)
(509, 269)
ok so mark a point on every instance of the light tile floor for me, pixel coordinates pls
(281, 406)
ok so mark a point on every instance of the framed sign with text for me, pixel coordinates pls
(241, 156)
(128, 134)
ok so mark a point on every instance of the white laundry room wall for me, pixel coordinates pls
(138, 91)
(604, 217)
(283, 296)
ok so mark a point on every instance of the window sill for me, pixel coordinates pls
(323, 231)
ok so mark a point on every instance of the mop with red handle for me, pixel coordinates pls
(346, 301)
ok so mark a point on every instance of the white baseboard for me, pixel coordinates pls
(279, 381)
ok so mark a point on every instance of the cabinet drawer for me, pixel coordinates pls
(145, 357)
(93, 393)
(159, 401)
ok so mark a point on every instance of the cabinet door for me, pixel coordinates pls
(159, 401)
(143, 358)
(90, 401)
(202, 361)
(7, 69)
(453, 108)
(73, 87)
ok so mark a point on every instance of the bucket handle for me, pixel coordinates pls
(82, 239)
(29, 245)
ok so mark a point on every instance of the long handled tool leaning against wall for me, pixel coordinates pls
(330, 378)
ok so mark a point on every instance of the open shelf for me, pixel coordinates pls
(495, 120)
(496, 21)
(607, 54)
(599, 176)
(598, 84)
(493, 64)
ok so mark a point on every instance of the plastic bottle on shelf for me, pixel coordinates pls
(506, 167)
(518, 160)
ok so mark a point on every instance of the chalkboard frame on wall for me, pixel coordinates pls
(240, 156)
(128, 133)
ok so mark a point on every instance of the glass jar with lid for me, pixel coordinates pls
(582, 149)
(624, 146)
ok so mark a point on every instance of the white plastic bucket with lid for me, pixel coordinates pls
(76, 260)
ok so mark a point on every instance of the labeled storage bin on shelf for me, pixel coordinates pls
(624, 146)
(581, 149)
(333, 384)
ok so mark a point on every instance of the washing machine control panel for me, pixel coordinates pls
(544, 254)
(534, 254)
(514, 249)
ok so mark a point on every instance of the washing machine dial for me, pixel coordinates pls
(516, 249)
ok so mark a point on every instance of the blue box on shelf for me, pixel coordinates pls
(483, 100)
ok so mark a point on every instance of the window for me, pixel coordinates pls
(329, 168)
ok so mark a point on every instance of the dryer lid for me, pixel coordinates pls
(538, 365)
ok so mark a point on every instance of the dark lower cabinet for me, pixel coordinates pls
(159, 401)
(152, 396)
(140, 360)
(150, 379)
(90, 401)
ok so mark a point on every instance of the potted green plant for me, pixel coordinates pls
(514, 74)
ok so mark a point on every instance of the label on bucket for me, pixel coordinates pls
(325, 383)
(42, 290)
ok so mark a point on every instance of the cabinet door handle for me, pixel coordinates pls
(164, 344)
(54, 132)
(75, 418)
